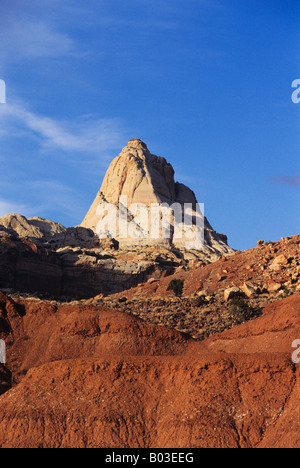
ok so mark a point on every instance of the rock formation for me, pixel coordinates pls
(217, 372)
(69, 272)
(38, 255)
(45, 232)
(32, 228)
(136, 177)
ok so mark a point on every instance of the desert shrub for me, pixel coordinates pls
(240, 309)
(176, 285)
(286, 292)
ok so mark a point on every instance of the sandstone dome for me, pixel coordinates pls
(144, 179)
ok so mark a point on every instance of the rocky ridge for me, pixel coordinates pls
(218, 296)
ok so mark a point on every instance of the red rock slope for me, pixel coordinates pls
(100, 378)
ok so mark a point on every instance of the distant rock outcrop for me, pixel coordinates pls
(33, 228)
(43, 231)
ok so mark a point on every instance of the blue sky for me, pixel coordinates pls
(205, 83)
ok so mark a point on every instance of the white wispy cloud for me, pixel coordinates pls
(83, 146)
(29, 40)
(88, 134)
(7, 207)
(28, 33)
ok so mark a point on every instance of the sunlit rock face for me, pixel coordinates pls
(139, 203)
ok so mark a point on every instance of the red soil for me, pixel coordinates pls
(99, 378)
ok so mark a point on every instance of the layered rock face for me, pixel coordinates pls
(45, 232)
(68, 272)
(150, 208)
(35, 228)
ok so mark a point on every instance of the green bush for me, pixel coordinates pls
(176, 285)
(240, 309)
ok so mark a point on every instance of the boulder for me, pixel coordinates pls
(249, 289)
(274, 287)
(280, 260)
(231, 292)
